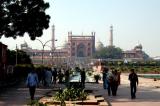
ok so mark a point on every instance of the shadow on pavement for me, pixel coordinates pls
(144, 94)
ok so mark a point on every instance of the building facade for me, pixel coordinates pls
(81, 45)
(77, 46)
(3, 60)
(134, 54)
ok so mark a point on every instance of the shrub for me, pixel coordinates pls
(70, 94)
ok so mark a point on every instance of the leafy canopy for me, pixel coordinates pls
(111, 52)
(18, 17)
(22, 57)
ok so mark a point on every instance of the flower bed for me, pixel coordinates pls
(73, 97)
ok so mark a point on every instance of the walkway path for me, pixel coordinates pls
(148, 93)
(19, 95)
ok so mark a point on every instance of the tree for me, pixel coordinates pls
(109, 52)
(22, 57)
(18, 17)
(145, 55)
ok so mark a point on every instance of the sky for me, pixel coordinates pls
(134, 22)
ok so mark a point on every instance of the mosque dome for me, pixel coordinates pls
(24, 45)
(138, 47)
(65, 44)
(99, 45)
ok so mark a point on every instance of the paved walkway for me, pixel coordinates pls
(148, 94)
(19, 95)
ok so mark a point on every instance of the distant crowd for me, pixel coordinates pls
(50, 76)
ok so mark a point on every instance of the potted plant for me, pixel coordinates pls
(97, 77)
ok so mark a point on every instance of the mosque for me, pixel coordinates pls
(76, 49)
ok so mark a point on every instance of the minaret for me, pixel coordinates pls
(53, 37)
(111, 36)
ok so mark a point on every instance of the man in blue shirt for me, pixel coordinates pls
(32, 82)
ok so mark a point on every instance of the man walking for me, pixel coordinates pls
(83, 78)
(32, 82)
(133, 83)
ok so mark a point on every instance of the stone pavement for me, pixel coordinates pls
(148, 93)
(19, 95)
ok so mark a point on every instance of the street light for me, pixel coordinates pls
(58, 54)
(52, 50)
(16, 54)
(43, 45)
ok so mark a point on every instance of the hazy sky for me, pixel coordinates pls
(134, 22)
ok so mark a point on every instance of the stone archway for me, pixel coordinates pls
(81, 50)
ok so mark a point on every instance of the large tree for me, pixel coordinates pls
(18, 17)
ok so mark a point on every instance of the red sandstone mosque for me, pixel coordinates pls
(77, 47)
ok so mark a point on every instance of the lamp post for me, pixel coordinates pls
(58, 55)
(52, 50)
(16, 54)
(43, 45)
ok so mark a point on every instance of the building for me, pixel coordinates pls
(3, 60)
(111, 36)
(77, 49)
(50, 57)
(81, 45)
(135, 54)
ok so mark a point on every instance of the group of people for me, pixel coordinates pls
(111, 81)
(47, 78)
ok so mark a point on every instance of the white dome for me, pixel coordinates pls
(99, 45)
(138, 46)
(65, 44)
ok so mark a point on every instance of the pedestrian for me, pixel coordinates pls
(115, 82)
(32, 82)
(54, 74)
(83, 78)
(60, 76)
(110, 82)
(48, 76)
(133, 83)
(104, 77)
(67, 77)
(106, 80)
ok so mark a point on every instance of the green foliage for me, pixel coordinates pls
(89, 73)
(71, 94)
(21, 70)
(18, 17)
(22, 57)
(108, 52)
